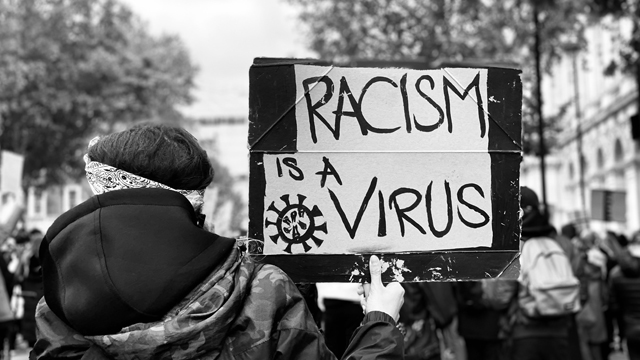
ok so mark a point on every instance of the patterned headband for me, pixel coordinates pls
(104, 178)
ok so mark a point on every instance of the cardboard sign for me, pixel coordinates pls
(11, 196)
(11, 165)
(608, 205)
(418, 166)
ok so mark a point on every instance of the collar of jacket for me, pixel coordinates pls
(126, 257)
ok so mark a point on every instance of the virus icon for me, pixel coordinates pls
(296, 224)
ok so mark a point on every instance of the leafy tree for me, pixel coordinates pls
(471, 31)
(71, 68)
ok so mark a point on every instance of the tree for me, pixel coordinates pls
(438, 31)
(629, 61)
(71, 68)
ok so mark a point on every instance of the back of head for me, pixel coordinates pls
(569, 231)
(163, 153)
(148, 181)
(588, 239)
(534, 222)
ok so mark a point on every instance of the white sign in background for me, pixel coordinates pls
(385, 190)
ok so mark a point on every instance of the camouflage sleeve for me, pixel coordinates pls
(277, 324)
(56, 340)
(299, 337)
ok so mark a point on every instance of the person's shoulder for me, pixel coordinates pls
(272, 272)
(269, 278)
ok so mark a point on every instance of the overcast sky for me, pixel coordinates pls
(223, 37)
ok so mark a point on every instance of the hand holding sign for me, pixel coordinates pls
(377, 297)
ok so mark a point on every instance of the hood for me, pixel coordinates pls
(535, 224)
(126, 257)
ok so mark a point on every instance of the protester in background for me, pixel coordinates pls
(591, 321)
(32, 288)
(14, 254)
(6, 314)
(194, 294)
(537, 337)
(567, 237)
(612, 343)
(624, 283)
(341, 314)
(428, 311)
(483, 317)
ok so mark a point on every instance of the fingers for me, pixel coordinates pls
(367, 289)
(360, 290)
(397, 289)
(375, 269)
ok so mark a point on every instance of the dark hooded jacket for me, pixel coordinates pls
(625, 296)
(129, 275)
(535, 224)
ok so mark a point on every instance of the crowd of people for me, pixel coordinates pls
(21, 288)
(487, 319)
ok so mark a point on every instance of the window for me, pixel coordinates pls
(600, 159)
(571, 171)
(73, 198)
(618, 151)
(38, 202)
(585, 165)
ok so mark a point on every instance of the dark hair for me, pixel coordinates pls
(535, 222)
(163, 153)
(569, 231)
(22, 236)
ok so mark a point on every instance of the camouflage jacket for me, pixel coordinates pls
(243, 310)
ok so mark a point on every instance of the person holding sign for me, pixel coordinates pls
(132, 273)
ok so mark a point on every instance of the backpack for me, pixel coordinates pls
(550, 288)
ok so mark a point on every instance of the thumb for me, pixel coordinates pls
(375, 269)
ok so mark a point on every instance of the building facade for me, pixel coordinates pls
(224, 139)
(44, 206)
(596, 151)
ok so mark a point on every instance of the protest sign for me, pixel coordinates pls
(11, 196)
(418, 166)
(11, 165)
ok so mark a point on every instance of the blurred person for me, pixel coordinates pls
(612, 344)
(483, 317)
(426, 316)
(569, 234)
(624, 283)
(341, 313)
(7, 317)
(131, 272)
(32, 287)
(591, 321)
(14, 255)
(538, 337)
(569, 231)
